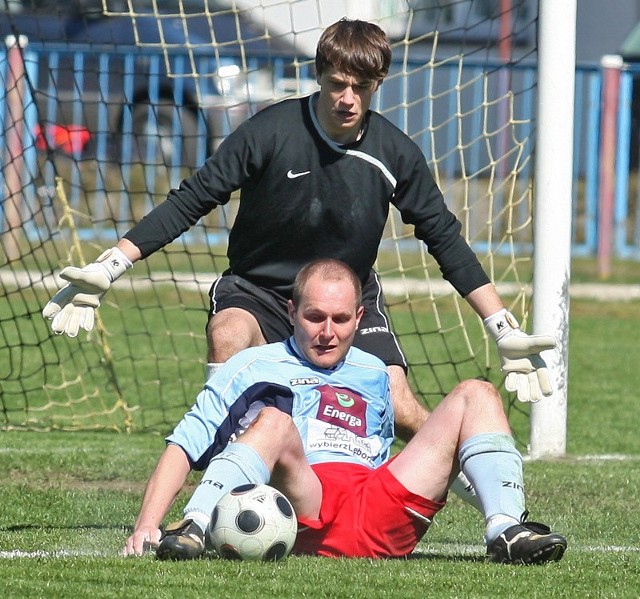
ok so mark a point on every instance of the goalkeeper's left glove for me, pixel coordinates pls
(520, 357)
(73, 307)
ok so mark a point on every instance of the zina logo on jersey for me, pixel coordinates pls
(344, 408)
(312, 380)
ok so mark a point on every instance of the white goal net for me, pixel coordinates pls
(100, 123)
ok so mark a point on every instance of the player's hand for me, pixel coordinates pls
(141, 541)
(73, 307)
(520, 357)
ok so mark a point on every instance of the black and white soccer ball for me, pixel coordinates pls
(253, 522)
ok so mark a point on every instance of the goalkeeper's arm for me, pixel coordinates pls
(73, 307)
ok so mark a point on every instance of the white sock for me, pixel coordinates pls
(494, 466)
(464, 489)
(238, 464)
(199, 518)
(211, 368)
(496, 525)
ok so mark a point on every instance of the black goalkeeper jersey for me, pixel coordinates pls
(302, 197)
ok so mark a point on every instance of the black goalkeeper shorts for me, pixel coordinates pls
(270, 310)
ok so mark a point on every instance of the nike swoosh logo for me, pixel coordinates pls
(292, 175)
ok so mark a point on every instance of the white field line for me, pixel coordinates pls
(202, 282)
(594, 458)
(454, 549)
(450, 549)
(59, 554)
(605, 457)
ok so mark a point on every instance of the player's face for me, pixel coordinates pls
(326, 320)
(343, 102)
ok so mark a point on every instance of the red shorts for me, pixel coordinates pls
(364, 513)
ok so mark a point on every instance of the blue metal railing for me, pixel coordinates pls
(626, 203)
(433, 128)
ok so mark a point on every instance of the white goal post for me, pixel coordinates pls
(552, 216)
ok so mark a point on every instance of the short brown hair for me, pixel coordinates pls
(330, 270)
(354, 47)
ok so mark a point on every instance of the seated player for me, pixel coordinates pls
(312, 416)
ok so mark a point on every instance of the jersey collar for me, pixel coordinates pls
(295, 350)
(316, 123)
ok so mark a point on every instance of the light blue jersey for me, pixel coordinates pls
(344, 414)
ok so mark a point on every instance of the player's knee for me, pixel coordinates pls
(479, 394)
(278, 424)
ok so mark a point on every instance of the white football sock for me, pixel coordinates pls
(202, 520)
(237, 465)
(211, 368)
(494, 466)
(464, 489)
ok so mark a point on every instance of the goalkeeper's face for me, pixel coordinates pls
(343, 103)
(325, 320)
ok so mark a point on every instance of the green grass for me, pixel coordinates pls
(69, 500)
(73, 496)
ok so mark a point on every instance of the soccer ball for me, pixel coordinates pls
(253, 522)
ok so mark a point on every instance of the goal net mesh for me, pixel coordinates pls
(97, 128)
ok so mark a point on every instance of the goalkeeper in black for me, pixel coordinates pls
(317, 176)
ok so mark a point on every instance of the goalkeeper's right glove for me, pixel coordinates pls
(73, 307)
(520, 357)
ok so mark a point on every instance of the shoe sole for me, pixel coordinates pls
(549, 553)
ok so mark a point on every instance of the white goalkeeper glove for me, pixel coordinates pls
(520, 357)
(73, 307)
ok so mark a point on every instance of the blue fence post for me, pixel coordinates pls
(591, 171)
(30, 156)
(621, 206)
(125, 144)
